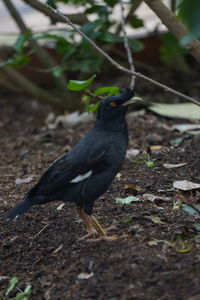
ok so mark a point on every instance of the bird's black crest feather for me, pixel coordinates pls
(126, 94)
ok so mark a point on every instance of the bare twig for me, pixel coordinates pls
(36, 235)
(126, 45)
(55, 14)
(134, 5)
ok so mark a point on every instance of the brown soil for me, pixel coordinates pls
(41, 247)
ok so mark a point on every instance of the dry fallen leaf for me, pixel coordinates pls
(132, 187)
(84, 275)
(4, 277)
(185, 185)
(152, 243)
(132, 153)
(185, 127)
(156, 220)
(60, 207)
(152, 197)
(127, 200)
(118, 176)
(172, 166)
(156, 148)
(24, 180)
(57, 249)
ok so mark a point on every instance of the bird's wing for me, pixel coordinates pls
(69, 171)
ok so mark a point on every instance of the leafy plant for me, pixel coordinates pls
(172, 53)
(189, 14)
(83, 85)
(20, 58)
(21, 295)
(11, 284)
(149, 163)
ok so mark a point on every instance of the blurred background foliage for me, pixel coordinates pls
(73, 56)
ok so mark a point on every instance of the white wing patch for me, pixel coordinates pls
(81, 177)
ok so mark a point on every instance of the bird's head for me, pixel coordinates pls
(115, 107)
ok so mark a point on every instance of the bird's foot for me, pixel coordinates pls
(91, 232)
(111, 228)
(108, 238)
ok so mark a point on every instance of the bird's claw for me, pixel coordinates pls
(107, 238)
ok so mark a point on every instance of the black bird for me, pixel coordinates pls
(87, 171)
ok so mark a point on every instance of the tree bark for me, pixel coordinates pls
(177, 28)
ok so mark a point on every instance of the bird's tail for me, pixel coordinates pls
(19, 209)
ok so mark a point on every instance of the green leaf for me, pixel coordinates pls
(17, 61)
(59, 70)
(108, 37)
(189, 14)
(100, 9)
(136, 22)
(127, 200)
(172, 54)
(110, 90)
(27, 290)
(20, 42)
(92, 107)
(127, 220)
(11, 284)
(77, 85)
(23, 295)
(56, 37)
(136, 45)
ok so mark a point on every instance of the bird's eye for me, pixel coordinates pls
(113, 104)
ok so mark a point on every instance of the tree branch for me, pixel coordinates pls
(177, 28)
(126, 45)
(42, 55)
(32, 89)
(55, 14)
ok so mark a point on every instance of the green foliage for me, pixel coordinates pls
(21, 295)
(11, 284)
(149, 163)
(20, 58)
(77, 85)
(189, 12)
(136, 22)
(172, 53)
(110, 90)
(77, 54)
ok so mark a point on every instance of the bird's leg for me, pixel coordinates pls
(93, 227)
(101, 231)
(98, 226)
(87, 222)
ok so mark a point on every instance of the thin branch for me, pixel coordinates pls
(134, 6)
(55, 14)
(126, 45)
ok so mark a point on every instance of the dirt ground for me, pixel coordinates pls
(154, 260)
